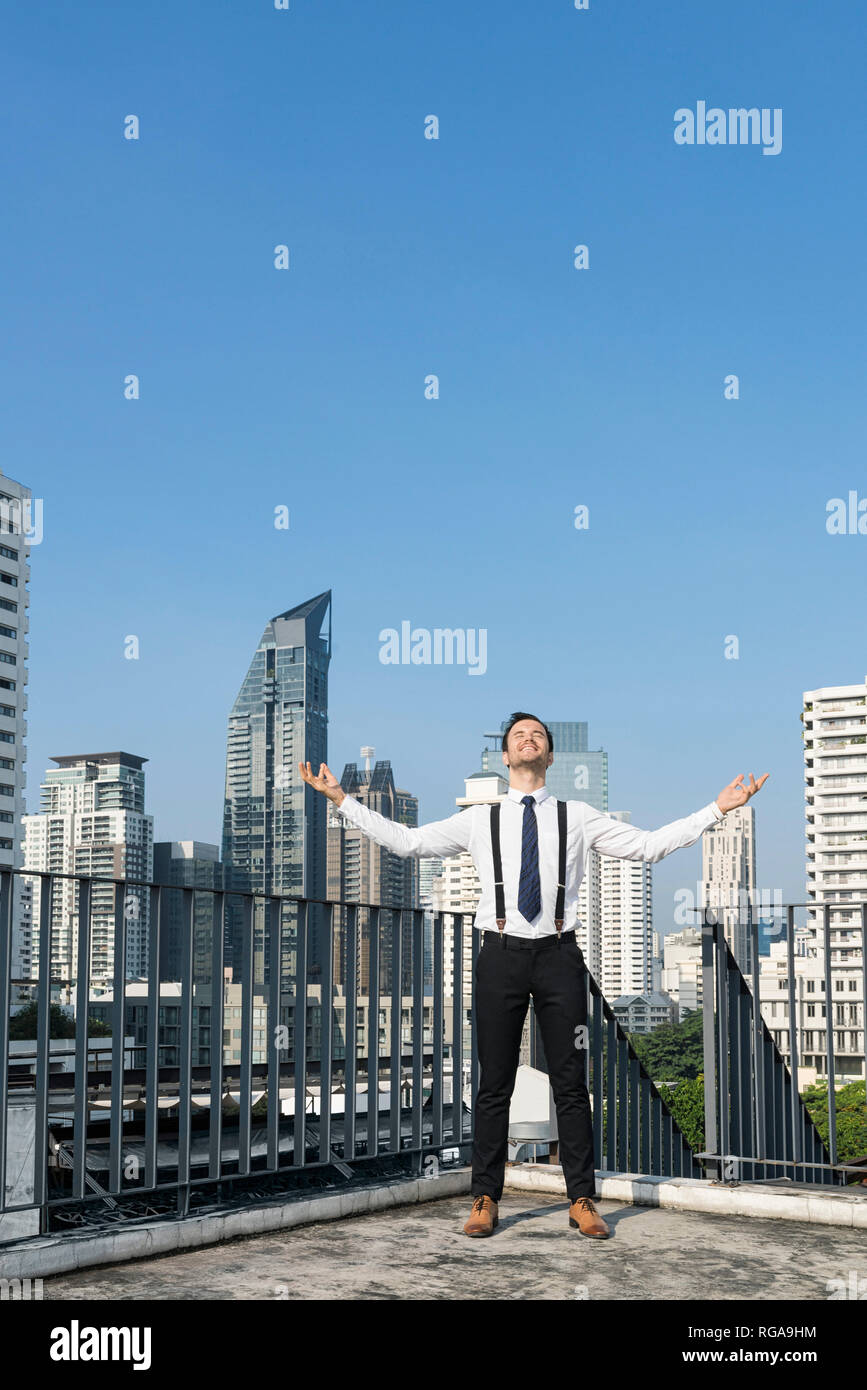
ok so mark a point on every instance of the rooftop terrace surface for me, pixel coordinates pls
(419, 1252)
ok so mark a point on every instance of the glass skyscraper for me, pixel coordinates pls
(274, 825)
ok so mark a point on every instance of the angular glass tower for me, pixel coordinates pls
(274, 825)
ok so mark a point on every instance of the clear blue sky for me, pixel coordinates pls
(558, 387)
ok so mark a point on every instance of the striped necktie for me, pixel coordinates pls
(529, 892)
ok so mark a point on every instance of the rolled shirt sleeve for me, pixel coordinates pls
(439, 837)
(624, 841)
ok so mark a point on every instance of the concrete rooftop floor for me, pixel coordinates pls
(420, 1252)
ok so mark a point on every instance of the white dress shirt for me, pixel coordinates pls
(587, 828)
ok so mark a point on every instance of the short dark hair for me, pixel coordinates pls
(522, 714)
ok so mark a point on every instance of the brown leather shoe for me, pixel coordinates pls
(483, 1217)
(584, 1217)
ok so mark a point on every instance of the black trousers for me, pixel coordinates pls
(507, 971)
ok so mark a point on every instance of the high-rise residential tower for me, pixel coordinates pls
(835, 776)
(835, 792)
(16, 533)
(93, 823)
(728, 878)
(359, 870)
(625, 914)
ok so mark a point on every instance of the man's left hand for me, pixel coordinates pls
(736, 794)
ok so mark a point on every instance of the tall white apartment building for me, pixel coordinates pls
(16, 536)
(92, 822)
(835, 794)
(615, 914)
(626, 914)
(728, 878)
(588, 929)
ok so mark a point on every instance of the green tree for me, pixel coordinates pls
(22, 1026)
(849, 1105)
(686, 1103)
(673, 1052)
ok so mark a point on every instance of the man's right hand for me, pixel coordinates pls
(326, 782)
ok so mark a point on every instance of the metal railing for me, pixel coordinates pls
(634, 1131)
(757, 1127)
(150, 1129)
(172, 1126)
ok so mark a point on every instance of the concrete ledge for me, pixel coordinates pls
(843, 1207)
(44, 1256)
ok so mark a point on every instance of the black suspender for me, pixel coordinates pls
(499, 894)
(560, 909)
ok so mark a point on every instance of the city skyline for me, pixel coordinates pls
(665, 900)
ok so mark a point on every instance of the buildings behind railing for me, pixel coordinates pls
(170, 1022)
(263, 1085)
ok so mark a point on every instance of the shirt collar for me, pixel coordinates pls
(540, 794)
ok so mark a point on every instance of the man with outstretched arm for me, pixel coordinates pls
(529, 851)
